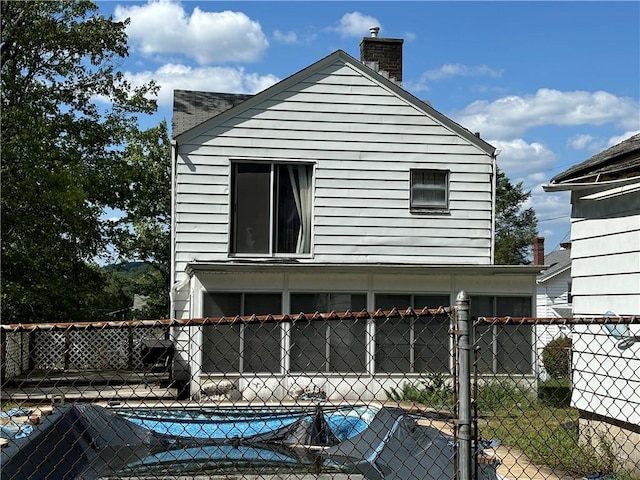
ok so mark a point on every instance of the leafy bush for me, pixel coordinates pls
(555, 392)
(501, 394)
(556, 357)
(435, 391)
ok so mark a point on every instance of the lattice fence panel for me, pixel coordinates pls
(99, 349)
(16, 354)
(48, 350)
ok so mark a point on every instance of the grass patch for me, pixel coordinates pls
(545, 430)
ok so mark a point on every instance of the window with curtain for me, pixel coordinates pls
(429, 190)
(412, 345)
(328, 346)
(503, 348)
(271, 209)
(253, 347)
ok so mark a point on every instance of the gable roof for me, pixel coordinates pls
(191, 108)
(619, 162)
(211, 107)
(559, 261)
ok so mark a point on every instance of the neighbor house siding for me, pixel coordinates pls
(606, 277)
(363, 141)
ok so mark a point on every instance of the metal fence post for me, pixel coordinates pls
(463, 330)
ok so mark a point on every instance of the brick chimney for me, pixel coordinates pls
(538, 251)
(383, 55)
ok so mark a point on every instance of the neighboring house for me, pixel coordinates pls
(605, 271)
(553, 294)
(334, 190)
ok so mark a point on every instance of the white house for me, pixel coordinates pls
(553, 296)
(605, 271)
(334, 190)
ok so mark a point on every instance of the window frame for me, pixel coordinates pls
(327, 331)
(413, 342)
(440, 207)
(273, 210)
(239, 333)
(492, 335)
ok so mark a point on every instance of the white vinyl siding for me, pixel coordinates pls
(606, 277)
(363, 141)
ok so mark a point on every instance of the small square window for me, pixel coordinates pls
(429, 190)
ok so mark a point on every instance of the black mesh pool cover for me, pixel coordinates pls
(81, 441)
(76, 441)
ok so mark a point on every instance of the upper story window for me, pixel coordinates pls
(271, 210)
(429, 190)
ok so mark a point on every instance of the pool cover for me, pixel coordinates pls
(76, 441)
(396, 447)
(81, 441)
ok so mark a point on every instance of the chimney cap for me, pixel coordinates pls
(374, 31)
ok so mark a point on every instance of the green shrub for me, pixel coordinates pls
(555, 392)
(434, 392)
(501, 394)
(556, 357)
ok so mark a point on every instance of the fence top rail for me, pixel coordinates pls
(604, 320)
(190, 322)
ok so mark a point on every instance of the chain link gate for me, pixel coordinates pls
(353, 395)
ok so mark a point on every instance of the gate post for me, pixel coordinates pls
(463, 424)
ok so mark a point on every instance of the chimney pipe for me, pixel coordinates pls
(374, 31)
(538, 251)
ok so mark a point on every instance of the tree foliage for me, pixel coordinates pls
(144, 231)
(516, 226)
(556, 357)
(66, 113)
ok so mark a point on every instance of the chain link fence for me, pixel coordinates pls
(393, 394)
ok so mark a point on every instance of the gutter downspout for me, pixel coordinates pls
(494, 187)
(173, 287)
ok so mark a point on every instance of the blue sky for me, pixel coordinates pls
(548, 83)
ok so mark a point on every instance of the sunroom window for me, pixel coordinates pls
(237, 347)
(271, 209)
(504, 348)
(330, 345)
(412, 344)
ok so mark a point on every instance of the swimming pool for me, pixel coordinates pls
(244, 440)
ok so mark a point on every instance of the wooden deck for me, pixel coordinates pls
(96, 386)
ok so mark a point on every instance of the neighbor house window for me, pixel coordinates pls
(271, 211)
(328, 345)
(503, 348)
(237, 347)
(429, 190)
(405, 345)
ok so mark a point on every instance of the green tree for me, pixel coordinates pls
(144, 230)
(66, 113)
(516, 226)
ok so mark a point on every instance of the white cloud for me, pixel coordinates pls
(519, 159)
(510, 116)
(211, 79)
(356, 24)
(619, 138)
(164, 27)
(459, 70)
(285, 37)
(451, 70)
(582, 142)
